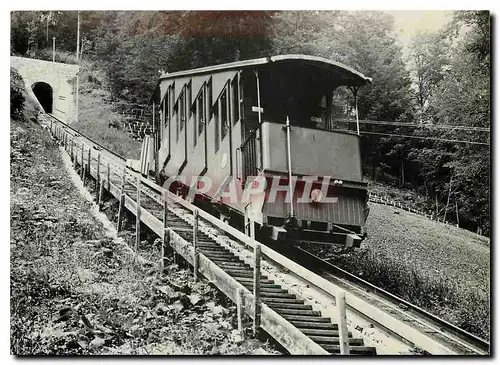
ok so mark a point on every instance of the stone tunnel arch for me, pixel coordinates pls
(45, 95)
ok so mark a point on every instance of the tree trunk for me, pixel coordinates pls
(448, 200)
(437, 208)
(402, 173)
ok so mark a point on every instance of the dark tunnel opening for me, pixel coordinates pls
(44, 94)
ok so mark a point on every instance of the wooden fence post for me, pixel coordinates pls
(138, 215)
(101, 195)
(252, 229)
(81, 162)
(98, 177)
(246, 222)
(166, 235)
(239, 310)
(122, 201)
(256, 289)
(343, 334)
(108, 177)
(73, 152)
(195, 244)
(88, 162)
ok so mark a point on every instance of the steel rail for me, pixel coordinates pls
(278, 307)
(309, 276)
(81, 135)
(467, 339)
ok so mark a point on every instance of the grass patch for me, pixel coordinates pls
(438, 294)
(94, 115)
(93, 122)
(441, 268)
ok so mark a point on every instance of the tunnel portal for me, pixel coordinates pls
(44, 94)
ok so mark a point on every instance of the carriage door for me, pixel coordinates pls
(249, 127)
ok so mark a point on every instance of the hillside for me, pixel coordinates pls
(95, 114)
(77, 289)
(434, 247)
(437, 266)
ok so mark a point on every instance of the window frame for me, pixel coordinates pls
(177, 121)
(235, 100)
(215, 113)
(200, 112)
(182, 109)
(224, 124)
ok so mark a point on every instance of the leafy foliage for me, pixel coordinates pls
(16, 94)
(443, 80)
(458, 93)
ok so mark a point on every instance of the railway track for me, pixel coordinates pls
(436, 328)
(284, 315)
(223, 256)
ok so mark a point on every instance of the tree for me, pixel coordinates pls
(460, 95)
(16, 94)
(428, 61)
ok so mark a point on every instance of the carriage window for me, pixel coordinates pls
(177, 121)
(223, 114)
(189, 98)
(182, 111)
(208, 102)
(216, 126)
(164, 111)
(172, 100)
(166, 107)
(235, 101)
(198, 115)
(200, 107)
(195, 121)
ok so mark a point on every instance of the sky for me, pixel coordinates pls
(409, 22)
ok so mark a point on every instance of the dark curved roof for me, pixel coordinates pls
(356, 76)
(335, 70)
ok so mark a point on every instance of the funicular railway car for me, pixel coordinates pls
(245, 136)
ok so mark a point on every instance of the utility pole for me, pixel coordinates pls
(78, 63)
(78, 40)
(47, 29)
(448, 200)
(53, 49)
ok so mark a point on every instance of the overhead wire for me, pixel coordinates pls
(418, 137)
(413, 125)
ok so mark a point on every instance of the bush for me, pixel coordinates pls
(60, 56)
(16, 94)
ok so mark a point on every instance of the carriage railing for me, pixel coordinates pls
(249, 155)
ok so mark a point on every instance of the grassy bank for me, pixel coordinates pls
(441, 268)
(94, 115)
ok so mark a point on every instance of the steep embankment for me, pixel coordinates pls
(75, 290)
(436, 266)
